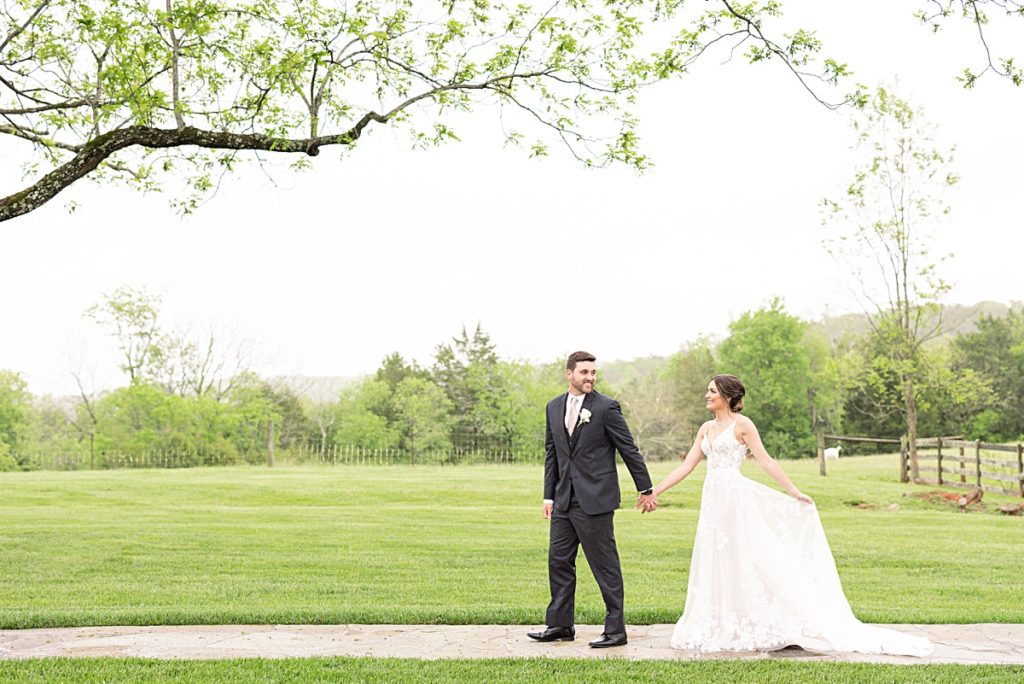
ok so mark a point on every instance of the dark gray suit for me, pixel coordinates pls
(580, 477)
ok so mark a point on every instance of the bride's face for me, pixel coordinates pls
(713, 400)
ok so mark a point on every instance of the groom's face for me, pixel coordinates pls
(582, 377)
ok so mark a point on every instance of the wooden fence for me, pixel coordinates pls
(952, 462)
(960, 463)
(821, 437)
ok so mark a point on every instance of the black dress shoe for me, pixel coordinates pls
(609, 640)
(554, 634)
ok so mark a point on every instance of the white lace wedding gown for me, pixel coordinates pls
(762, 575)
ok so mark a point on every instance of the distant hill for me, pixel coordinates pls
(958, 318)
(619, 373)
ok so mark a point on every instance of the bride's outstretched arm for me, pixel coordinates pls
(680, 472)
(752, 439)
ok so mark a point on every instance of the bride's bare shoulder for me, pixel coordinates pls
(744, 423)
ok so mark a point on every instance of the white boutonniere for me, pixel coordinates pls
(584, 416)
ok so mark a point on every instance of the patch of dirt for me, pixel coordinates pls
(938, 496)
(947, 500)
(868, 506)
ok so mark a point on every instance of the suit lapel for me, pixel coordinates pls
(587, 401)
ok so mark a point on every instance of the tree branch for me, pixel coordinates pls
(98, 150)
(28, 22)
(754, 30)
(38, 137)
(70, 104)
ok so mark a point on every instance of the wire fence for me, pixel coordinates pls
(350, 454)
(329, 454)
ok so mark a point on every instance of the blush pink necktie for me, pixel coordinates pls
(574, 413)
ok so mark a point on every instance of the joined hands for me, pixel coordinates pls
(647, 503)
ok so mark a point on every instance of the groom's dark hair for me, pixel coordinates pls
(577, 357)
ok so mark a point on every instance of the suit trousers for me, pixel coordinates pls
(569, 530)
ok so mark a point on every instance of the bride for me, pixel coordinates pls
(762, 575)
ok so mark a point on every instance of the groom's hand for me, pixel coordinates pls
(546, 510)
(647, 502)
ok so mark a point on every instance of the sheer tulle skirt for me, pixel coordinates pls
(762, 577)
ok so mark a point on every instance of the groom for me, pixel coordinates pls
(581, 493)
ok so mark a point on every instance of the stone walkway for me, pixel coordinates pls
(969, 644)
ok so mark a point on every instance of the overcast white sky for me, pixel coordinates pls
(394, 250)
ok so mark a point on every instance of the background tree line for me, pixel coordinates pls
(839, 378)
(197, 399)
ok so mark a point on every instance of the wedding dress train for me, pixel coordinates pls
(762, 575)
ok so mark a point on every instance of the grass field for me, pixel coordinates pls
(531, 670)
(393, 544)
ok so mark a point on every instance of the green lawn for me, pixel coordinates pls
(530, 670)
(400, 544)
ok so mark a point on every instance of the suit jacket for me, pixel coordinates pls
(586, 461)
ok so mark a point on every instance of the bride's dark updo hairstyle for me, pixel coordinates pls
(731, 387)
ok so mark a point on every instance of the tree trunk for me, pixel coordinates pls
(820, 438)
(911, 407)
(270, 443)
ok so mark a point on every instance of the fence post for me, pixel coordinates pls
(938, 445)
(977, 460)
(1020, 467)
(963, 477)
(903, 459)
(821, 452)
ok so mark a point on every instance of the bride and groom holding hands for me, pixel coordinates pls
(762, 576)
